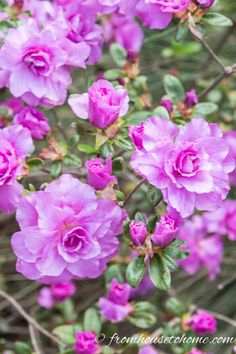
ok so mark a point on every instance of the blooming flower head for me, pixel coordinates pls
(202, 323)
(191, 164)
(115, 307)
(100, 174)
(103, 104)
(55, 293)
(136, 134)
(157, 14)
(205, 252)
(35, 61)
(15, 145)
(138, 232)
(86, 343)
(230, 137)
(148, 349)
(34, 120)
(66, 232)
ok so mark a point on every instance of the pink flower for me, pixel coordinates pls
(168, 104)
(138, 232)
(115, 306)
(35, 63)
(55, 293)
(148, 349)
(86, 343)
(191, 98)
(205, 252)
(197, 351)
(103, 104)
(157, 14)
(100, 174)
(230, 137)
(202, 323)
(136, 134)
(191, 164)
(15, 105)
(205, 4)
(35, 121)
(66, 232)
(15, 145)
(165, 231)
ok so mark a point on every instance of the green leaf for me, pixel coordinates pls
(151, 225)
(159, 273)
(161, 112)
(118, 54)
(118, 164)
(67, 333)
(106, 151)
(34, 164)
(154, 196)
(144, 306)
(92, 320)
(137, 117)
(120, 196)
(113, 74)
(56, 169)
(170, 262)
(205, 108)
(114, 272)
(142, 319)
(216, 19)
(176, 307)
(135, 271)
(107, 350)
(139, 216)
(174, 88)
(86, 148)
(182, 31)
(173, 250)
(72, 160)
(124, 144)
(22, 348)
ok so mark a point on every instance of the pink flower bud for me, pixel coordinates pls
(136, 134)
(138, 232)
(86, 343)
(99, 174)
(165, 231)
(202, 322)
(168, 104)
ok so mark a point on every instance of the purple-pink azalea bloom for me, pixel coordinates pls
(136, 134)
(100, 173)
(102, 105)
(66, 232)
(138, 232)
(148, 349)
(34, 120)
(205, 252)
(15, 145)
(157, 14)
(35, 62)
(202, 323)
(55, 293)
(85, 343)
(190, 164)
(115, 307)
(191, 98)
(230, 137)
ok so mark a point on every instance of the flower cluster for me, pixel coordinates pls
(191, 164)
(66, 232)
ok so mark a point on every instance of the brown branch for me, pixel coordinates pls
(133, 191)
(30, 319)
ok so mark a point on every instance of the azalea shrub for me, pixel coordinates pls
(117, 176)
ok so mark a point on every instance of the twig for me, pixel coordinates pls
(34, 341)
(30, 319)
(133, 191)
(212, 53)
(223, 318)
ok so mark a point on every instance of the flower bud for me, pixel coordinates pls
(191, 98)
(138, 232)
(168, 104)
(205, 4)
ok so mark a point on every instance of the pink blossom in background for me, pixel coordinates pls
(102, 105)
(198, 351)
(15, 145)
(124, 31)
(190, 164)
(138, 232)
(136, 134)
(34, 120)
(100, 173)
(65, 232)
(205, 251)
(202, 323)
(157, 14)
(35, 63)
(115, 307)
(14, 105)
(148, 349)
(191, 98)
(55, 293)
(85, 343)
(230, 137)
(144, 287)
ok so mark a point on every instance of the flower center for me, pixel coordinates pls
(187, 163)
(74, 241)
(37, 60)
